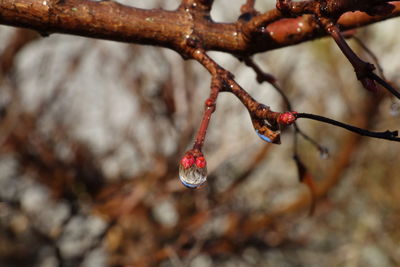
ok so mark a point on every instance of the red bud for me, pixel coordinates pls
(287, 118)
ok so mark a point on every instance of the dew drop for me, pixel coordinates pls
(267, 131)
(193, 169)
(193, 177)
(324, 153)
(394, 109)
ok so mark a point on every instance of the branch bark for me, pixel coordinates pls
(171, 29)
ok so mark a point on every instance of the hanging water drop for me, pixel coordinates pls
(264, 137)
(323, 153)
(395, 109)
(193, 169)
(267, 131)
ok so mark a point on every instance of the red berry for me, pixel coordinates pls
(201, 162)
(187, 161)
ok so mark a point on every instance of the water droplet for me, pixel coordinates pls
(323, 153)
(193, 177)
(266, 131)
(394, 109)
(193, 169)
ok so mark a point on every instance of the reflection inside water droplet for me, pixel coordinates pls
(266, 130)
(193, 169)
(193, 176)
(263, 137)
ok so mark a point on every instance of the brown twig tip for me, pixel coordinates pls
(287, 118)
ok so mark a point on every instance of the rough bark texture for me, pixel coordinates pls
(171, 29)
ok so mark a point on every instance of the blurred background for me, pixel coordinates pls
(91, 133)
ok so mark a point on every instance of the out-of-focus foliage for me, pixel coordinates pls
(91, 132)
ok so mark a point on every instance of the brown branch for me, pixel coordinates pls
(113, 21)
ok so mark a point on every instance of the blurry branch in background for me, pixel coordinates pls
(20, 38)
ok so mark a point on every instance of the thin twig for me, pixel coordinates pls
(387, 135)
(384, 84)
(363, 70)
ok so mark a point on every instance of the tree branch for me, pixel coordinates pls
(113, 21)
